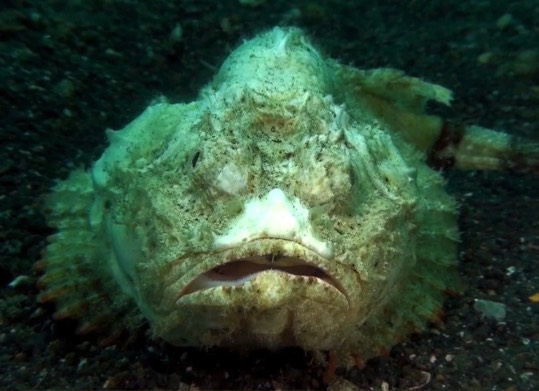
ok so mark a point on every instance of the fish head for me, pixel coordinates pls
(256, 227)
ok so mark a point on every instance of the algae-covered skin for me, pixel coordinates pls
(290, 205)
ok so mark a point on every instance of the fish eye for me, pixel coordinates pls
(195, 159)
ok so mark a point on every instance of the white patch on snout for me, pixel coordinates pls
(273, 216)
(231, 179)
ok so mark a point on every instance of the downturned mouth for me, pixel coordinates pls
(239, 272)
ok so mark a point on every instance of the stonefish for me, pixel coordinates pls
(295, 203)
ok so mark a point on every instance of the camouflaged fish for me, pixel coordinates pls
(293, 204)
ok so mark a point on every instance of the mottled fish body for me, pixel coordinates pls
(290, 205)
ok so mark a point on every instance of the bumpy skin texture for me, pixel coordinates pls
(289, 205)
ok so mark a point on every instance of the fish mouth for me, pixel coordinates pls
(238, 272)
(241, 266)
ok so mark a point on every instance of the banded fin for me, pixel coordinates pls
(477, 148)
(396, 100)
(76, 275)
(399, 101)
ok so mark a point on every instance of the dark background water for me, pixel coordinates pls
(71, 69)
